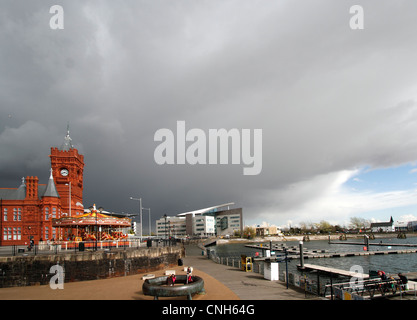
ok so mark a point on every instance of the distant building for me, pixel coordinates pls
(412, 226)
(383, 226)
(171, 227)
(401, 226)
(266, 231)
(203, 223)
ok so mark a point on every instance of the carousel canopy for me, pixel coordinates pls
(90, 219)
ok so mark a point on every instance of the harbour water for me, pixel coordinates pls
(390, 263)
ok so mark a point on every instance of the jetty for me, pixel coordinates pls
(294, 252)
(378, 244)
(335, 271)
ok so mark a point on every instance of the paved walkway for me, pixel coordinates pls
(221, 283)
(246, 285)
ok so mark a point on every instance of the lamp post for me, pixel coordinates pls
(165, 217)
(140, 214)
(100, 209)
(69, 201)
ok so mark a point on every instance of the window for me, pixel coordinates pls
(19, 214)
(5, 215)
(54, 212)
(46, 233)
(17, 233)
(7, 233)
(46, 213)
(14, 214)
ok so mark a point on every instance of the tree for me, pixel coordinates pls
(249, 233)
(358, 223)
(325, 227)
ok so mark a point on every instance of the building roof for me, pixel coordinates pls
(51, 188)
(14, 193)
(382, 224)
(201, 211)
(48, 190)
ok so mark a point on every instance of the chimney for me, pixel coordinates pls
(31, 188)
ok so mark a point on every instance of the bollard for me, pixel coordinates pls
(366, 242)
(301, 255)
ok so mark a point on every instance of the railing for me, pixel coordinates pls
(56, 247)
(309, 285)
(233, 261)
(366, 289)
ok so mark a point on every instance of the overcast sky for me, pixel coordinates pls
(334, 104)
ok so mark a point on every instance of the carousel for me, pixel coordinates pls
(92, 226)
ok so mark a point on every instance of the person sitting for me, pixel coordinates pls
(403, 281)
(171, 280)
(382, 275)
(189, 274)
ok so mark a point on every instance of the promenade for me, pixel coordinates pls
(221, 283)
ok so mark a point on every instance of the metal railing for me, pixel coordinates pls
(56, 247)
(367, 289)
(234, 261)
(309, 285)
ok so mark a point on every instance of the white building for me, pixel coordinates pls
(204, 226)
(171, 227)
(204, 222)
(383, 226)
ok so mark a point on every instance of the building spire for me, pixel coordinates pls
(67, 145)
(50, 190)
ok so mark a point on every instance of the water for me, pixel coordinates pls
(392, 263)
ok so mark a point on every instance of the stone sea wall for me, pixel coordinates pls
(89, 265)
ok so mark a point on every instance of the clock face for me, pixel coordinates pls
(64, 172)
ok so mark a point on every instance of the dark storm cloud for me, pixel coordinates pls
(328, 99)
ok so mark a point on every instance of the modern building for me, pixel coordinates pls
(412, 226)
(26, 212)
(401, 226)
(167, 227)
(212, 221)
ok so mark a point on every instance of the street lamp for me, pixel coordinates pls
(165, 216)
(69, 184)
(140, 214)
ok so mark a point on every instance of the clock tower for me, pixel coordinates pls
(67, 171)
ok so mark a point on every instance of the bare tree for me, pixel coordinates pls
(358, 223)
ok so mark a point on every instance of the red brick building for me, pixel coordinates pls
(27, 211)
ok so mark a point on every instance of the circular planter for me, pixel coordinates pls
(158, 287)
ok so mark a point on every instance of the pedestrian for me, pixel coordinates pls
(189, 278)
(403, 281)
